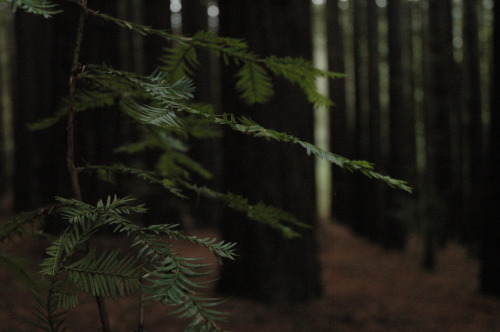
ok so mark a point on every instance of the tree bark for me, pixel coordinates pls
(42, 68)
(472, 151)
(361, 146)
(438, 105)
(489, 280)
(207, 81)
(402, 121)
(270, 268)
(6, 110)
(339, 131)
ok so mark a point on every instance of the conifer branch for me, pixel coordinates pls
(34, 218)
(37, 7)
(50, 317)
(161, 92)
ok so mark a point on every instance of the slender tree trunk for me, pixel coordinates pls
(489, 279)
(472, 152)
(6, 110)
(269, 267)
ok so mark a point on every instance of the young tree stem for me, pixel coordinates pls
(70, 152)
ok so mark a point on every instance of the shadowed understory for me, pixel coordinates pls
(366, 289)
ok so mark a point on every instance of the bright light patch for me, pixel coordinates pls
(213, 11)
(175, 6)
(381, 3)
(176, 20)
(318, 2)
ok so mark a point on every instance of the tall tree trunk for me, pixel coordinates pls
(438, 78)
(270, 267)
(489, 279)
(42, 69)
(156, 15)
(402, 120)
(339, 132)
(472, 152)
(361, 199)
(207, 81)
(373, 191)
(6, 109)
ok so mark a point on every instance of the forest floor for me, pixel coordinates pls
(366, 288)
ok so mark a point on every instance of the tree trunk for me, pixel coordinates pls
(6, 110)
(489, 279)
(402, 121)
(42, 69)
(269, 267)
(361, 199)
(438, 89)
(373, 191)
(472, 131)
(207, 81)
(339, 132)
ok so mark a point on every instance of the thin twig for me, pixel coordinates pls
(70, 152)
(140, 328)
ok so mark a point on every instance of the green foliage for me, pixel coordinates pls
(48, 307)
(106, 275)
(166, 116)
(38, 7)
(155, 269)
(260, 212)
(162, 94)
(254, 85)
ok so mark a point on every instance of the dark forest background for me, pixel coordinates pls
(419, 99)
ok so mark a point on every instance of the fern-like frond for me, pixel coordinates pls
(182, 58)
(222, 249)
(84, 221)
(60, 249)
(106, 275)
(232, 50)
(76, 212)
(361, 166)
(84, 99)
(150, 115)
(199, 127)
(180, 61)
(49, 316)
(150, 177)
(181, 88)
(271, 216)
(104, 213)
(37, 7)
(173, 282)
(254, 84)
(18, 225)
(301, 72)
(247, 126)
(66, 294)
